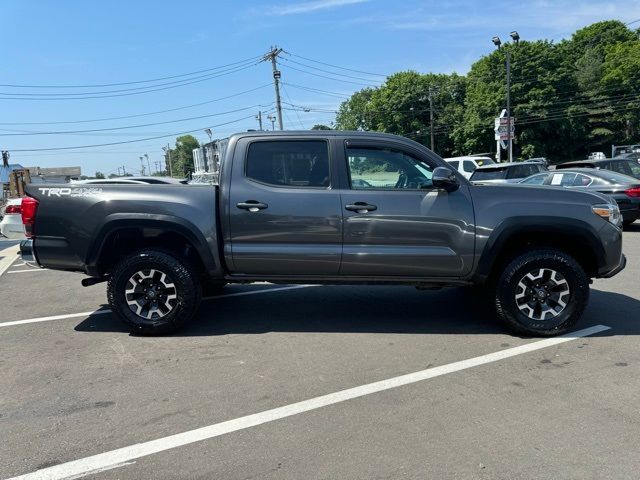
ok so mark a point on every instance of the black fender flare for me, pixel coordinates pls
(508, 229)
(168, 223)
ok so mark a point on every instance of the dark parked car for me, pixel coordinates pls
(624, 189)
(542, 160)
(626, 166)
(328, 207)
(631, 155)
(506, 172)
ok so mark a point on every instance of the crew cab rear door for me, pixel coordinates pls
(284, 214)
(395, 222)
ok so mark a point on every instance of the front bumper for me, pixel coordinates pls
(617, 269)
(26, 252)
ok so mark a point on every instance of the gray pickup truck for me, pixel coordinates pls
(328, 207)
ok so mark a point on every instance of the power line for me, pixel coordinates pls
(335, 66)
(139, 114)
(12, 85)
(297, 114)
(330, 78)
(132, 126)
(329, 71)
(126, 141)
(51, 97)
(317, 90)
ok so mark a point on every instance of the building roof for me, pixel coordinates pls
(56, 171)
(5, 171)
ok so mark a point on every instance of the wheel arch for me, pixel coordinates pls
(124, 233)
(572, 236)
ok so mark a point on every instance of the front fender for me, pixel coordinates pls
(565, 227)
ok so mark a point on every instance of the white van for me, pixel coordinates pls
(467, 165)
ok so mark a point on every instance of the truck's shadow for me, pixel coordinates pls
(370, 310)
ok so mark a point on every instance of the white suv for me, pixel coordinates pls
(11, 223)
(467, 165)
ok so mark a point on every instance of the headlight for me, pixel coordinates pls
(608, 211)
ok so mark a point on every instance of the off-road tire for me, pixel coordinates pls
(182, 275)
(532, 261)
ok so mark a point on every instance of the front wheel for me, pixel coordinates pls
(542, 293)
(153, 292)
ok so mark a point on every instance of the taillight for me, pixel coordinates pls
(633, 192)
(29, 209)
(13, 210)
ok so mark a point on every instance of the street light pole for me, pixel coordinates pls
(496, 41)
(431, 120)
(509, 106)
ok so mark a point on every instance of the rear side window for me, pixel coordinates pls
(582, 181)
(468, 166)
(289, 163)
(524, 170)
(620, 167)
(563, 179)
(489, 174)
(535, 179)
(454, 164)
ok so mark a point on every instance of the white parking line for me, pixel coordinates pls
(113, 458)
(100, 312)
(29, 270)
(7, 257)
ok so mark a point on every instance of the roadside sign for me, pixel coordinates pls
(500, 128)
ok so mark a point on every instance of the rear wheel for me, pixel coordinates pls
(153, 292)
(542, 293)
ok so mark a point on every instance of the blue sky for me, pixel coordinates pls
(86, 43)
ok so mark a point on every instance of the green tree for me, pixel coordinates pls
(402, 106)
(568, 98)
(99, 175)
(182, 155)
(352, 114)
(320, 127)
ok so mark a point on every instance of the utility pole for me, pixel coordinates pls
(124, 171)
(167, 152)
(259, 118)
(431, 119)
(142, 164)
(273, 55)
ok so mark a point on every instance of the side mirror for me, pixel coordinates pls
(445, 179)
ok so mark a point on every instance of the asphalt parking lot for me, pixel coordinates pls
(315, 382)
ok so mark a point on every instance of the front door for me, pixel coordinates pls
(284, 216)
(395, 222)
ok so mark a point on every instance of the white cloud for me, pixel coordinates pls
(311, 6)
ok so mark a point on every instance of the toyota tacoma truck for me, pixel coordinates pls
(328, 207)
